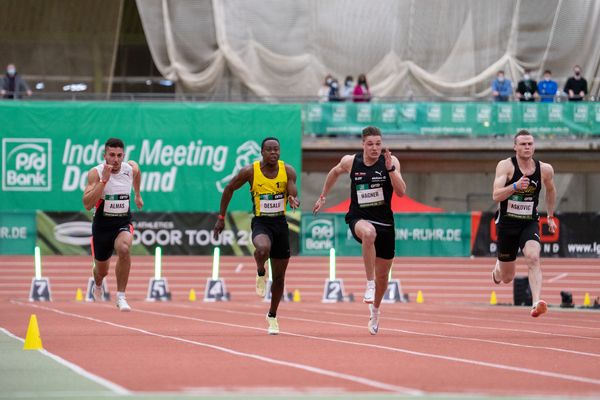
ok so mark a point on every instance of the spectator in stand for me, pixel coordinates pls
(576, 87)
(348, 88)
(361, 90)
(547, 88)
(13, 86)
(501, 87)
(527, 87)
(325, 88)
(334, 91)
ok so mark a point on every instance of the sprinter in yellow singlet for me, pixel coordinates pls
(272, 186)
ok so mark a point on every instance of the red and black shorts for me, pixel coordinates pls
(276, 228)
(103, 239)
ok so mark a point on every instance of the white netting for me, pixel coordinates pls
(406, 47)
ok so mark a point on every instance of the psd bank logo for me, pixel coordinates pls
(26, 165)
(320, 234)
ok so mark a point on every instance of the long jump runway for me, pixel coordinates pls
(448, 346)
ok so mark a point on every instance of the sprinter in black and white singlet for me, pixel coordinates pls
(374, 175)
(108, 190)
(272, 186)
(517, 188)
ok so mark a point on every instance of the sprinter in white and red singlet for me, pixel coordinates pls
(108, 191)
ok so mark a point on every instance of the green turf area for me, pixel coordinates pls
(26, 374)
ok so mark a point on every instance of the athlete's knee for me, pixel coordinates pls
(262, 252)
(123, 249)
(100, 270)
(101, 274)
(508, 277)
(369, 236)
(507, 271)
(532, 259)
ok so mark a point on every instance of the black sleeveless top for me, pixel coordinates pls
(522, 204)
(370, 192)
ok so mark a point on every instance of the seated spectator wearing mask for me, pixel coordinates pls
(527, 87)
(576, 87)
(547, 88)
(334, 91)
(501, 87)
(13, 86)
(348, 88)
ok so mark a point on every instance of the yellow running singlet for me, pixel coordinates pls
(269, 196)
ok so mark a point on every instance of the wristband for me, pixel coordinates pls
(221, 217)
(321, 197)
(102, 181)
(515, 185)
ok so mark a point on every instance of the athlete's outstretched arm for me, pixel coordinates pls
(292, 189)
(137, 182)
(548, 181)
(344, 166)
(245, 175)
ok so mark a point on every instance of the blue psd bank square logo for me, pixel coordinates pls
(26, 164)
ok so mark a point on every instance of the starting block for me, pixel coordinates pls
(394, 294)
(215, 290)
(88, 294)
(40, 290)
(158, 290)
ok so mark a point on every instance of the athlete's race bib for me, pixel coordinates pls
(116, 205)
(369, 197)
(271, 205)
(519, 208)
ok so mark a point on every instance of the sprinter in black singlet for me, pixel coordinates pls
(517, 189)
(272, 187)
(374, 175)
(108, 190)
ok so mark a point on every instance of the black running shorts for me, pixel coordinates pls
(385, 242)
(511, 237)
(103, 240)
(276, 228)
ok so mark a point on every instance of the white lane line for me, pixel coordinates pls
(512, 321)
(304, 367)
(76, 368)
(395, 349)
(546, 318)
(487, 328)
(581, 353)
(564, 274)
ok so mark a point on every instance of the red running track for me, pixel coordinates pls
(445, 345)
(440, 279)
(421, 348)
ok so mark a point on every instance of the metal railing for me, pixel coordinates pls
(246, 98)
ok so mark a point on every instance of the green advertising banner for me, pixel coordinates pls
(464, 119)
(420, 234)
(17, 232)
(187, 152)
